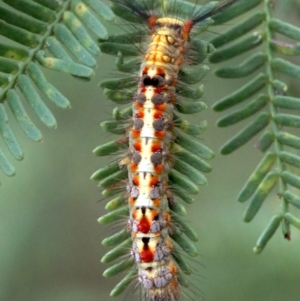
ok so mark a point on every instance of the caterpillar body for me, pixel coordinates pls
(162, 161)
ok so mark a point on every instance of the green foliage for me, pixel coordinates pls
(266, 101)
(43, 33)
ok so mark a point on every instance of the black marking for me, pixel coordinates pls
(172, 26)
(156, 81)
(145, 240)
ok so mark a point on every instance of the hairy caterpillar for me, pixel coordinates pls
(162, 161)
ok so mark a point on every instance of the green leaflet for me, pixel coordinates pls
(33, 98)
(247, 67)
(44, 31)
(114, 215)
(257, 176)
(272, 99)
(116, 238)
(241, 94)
(246, 134)
(265, 141)
(190, 107)
(260, 195)
(185, 228)
(287, 120)
(32, 9)
(122, 285)
(184, 243)
(192, 173)
(20, 114)
(291, 179)
(289, 140)
(114, 178)
(177, 207)
(286, 48)
(267, 234)
(9, 137)
(292, 220)
(18, 35)
(287, 102)
(239, 30)
(238, 48)
(110, 147)
(51, 92)
(195, 77)
(193, 146)
(115, 203)
(104, 172)
(5, 165)
(119, 97)
(117, 252)
(118, 267)
(188, 128)
(79, 32)
(65, 36)
(235, 10)
(193, 94)
(190, 158)
(184, 266)
(292, 198)
(286, 67)
(285, 29)
(183, 182)
(83, 12)
(250, 109)
(182, 195)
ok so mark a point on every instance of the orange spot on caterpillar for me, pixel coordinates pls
(140, 114)
(187, 27)
(161, 107)
(159, 168)
(136, 180)
(160, 135)
(156, 146)
(131, 201)
(138, 145)
(161, 72)
(154, 181)
(156, 202)
(137, 105)
(133, 167)
(151, 21)
(157, 114)
(135, 133)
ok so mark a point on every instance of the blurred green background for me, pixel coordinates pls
(50, 241)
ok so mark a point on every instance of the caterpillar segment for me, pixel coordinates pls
(164, 162)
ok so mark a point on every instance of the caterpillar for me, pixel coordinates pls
(163, 161)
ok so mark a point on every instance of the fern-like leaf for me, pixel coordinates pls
(43, 33)
(264, 98)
